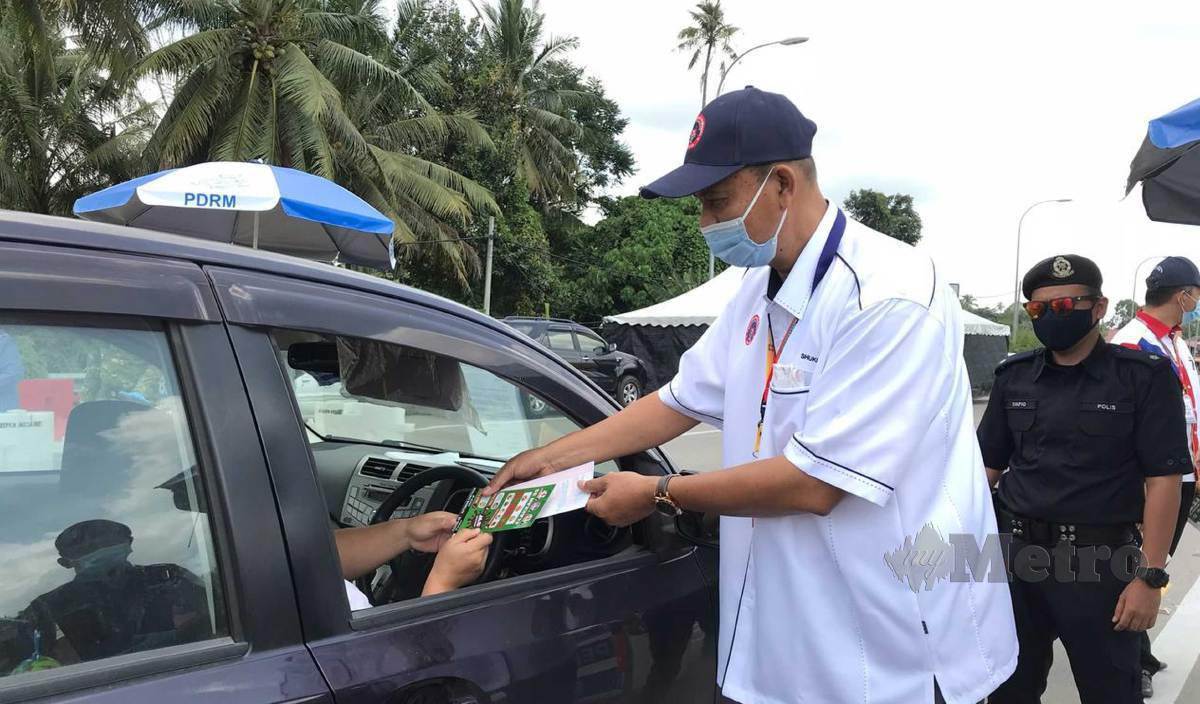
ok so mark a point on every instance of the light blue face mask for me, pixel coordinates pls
(1191, 316)
(731, 243)
(102, 561)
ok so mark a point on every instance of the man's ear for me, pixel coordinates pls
(788, 179)
(1102, 307)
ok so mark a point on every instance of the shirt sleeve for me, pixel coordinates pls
(995, 439)
(1160, 429)
(886, 379)
(698, 390)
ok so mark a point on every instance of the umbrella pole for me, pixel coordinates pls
(255, 241)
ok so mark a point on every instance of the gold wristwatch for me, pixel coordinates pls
(663, 501)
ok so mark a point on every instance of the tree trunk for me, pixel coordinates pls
(704, 77)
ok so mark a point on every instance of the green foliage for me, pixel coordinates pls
(642, 252)
(1125, 311)
(892, 215)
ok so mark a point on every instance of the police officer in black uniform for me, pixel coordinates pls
(1093, 439)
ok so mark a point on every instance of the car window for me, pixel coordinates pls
(426, 399)
(106, 543)
(526, 328)
(562, 340)
(591, 343)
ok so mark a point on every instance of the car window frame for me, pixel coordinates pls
(602, 348)
(552, 328)
(255, 304)
(192, 342)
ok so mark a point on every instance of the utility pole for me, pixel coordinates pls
(487, 281)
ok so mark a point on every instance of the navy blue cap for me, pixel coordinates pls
(742, 128)
(1172, 272)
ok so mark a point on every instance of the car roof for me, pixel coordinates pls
(83, 234)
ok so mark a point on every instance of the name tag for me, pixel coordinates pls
(1021, 404)
(790, 377)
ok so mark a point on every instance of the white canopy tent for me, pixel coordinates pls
(661, 333)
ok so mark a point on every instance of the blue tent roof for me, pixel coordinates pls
(1177, 127)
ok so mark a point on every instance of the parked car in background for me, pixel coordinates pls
(620, 374)
(188, 425)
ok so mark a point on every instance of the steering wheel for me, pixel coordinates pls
(411, 568)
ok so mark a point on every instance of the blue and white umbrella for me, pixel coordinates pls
(256, 205)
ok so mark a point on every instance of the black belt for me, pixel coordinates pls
(1038, 532)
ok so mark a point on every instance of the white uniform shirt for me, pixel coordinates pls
(1146, 333)
(871, 395)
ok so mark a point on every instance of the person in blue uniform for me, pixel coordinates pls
(1083, 441)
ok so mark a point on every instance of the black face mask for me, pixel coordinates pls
(1061, 332)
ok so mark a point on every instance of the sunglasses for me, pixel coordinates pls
(1059, 306)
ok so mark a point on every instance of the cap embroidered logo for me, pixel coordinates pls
(751, 330)
(1062, 268)
(697, 132)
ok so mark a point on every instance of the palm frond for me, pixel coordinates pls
(351, 67)
(184, 55)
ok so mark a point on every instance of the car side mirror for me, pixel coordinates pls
(611, 347)
(702, 529)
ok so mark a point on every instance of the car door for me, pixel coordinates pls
(564, 343)
(635, 626)
(603, 362)
(143, 559)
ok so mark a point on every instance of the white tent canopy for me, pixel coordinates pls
(699, 306)
(979, 325)
(702, 305)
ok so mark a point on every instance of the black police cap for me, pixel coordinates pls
(89, 536)
(1173, 272)
(1060, 270)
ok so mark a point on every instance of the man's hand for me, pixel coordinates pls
(1137, 609)
(459, 562)
(429, 531)
(527, 465)
(620, 498)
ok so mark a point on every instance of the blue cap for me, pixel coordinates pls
(1173, 272)
(742, 128)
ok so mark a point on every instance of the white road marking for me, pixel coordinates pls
(1178, 646)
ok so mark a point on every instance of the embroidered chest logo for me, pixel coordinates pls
(1062, 268)
(697, 132)
(752, 330)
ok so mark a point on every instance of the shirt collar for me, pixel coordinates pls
(1157, 327)
(796, 290)
(1095, 364)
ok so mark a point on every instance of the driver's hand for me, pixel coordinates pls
(429, 531)
(527, 465)
(459, 562)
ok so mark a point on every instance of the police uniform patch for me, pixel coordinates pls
(1062, 268)
(752, 330)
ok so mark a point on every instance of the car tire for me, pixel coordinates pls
(629, 389)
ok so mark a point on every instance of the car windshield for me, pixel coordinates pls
(461, 409)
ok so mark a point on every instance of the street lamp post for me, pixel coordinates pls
(790, 41)
(1136, 269)
(1017, 267)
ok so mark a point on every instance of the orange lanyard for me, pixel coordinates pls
(772, 359)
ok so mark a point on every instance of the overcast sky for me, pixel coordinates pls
(977, 110)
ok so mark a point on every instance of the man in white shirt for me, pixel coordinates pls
(836, 374)
(1172, 291)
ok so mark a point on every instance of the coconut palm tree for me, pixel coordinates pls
(709, 33)
(537, 122)
(65, 130)
(308, 84)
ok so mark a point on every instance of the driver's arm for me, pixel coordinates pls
(362, 550)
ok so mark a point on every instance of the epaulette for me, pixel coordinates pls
(1148, 358)
(1017, 358)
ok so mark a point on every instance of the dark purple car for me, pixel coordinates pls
(185, 426)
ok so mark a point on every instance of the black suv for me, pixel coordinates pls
(620, 374)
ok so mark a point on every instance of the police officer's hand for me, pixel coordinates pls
(527, 465)
(620, 498)
(1137, 609)
(429, 531)
(459, 562)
